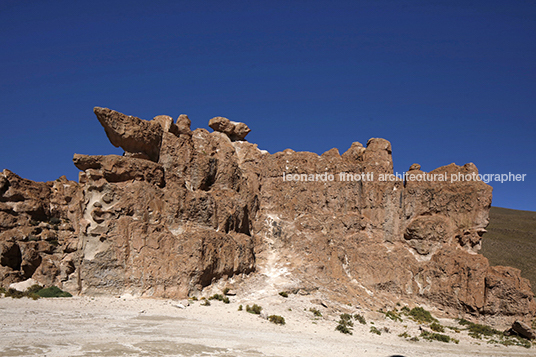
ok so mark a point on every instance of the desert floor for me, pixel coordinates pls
(126, 326)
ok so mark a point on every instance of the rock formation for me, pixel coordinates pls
(183, 209)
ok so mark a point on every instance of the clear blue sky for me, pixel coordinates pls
(444, 81)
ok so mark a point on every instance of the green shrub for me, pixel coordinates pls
(205, 302)
(14, 294)
(405, 310)
(404, 335)
(477, 330)
(393, 315)
(255, 309)
(283, 294)
(193, 298)
(512, 341)
(31, 292)
(375, 330)
(345, 324)
(2, 290)
(343, 328)
(53, 291)
(34, 289)
(240, 308)
(316, 312)
(360, 319)
(430, 336)
(276, 319)
(226, 291)
(220, 297)
(347, 319)
(455, 329)
(421, 315)
(437, 327)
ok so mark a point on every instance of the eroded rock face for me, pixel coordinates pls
(235, 131)
(183, 209)
(139, 138)
(38, 228)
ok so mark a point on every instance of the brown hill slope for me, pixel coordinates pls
(511, 241)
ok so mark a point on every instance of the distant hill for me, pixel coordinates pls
(511, 241)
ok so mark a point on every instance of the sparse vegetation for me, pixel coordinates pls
(455, 329)
(35, 292)
(511, 341)
(283, 294)
(480, 332)
(220, 297)
(315, 312)
(360, 319)
(52, 291)
(347, 318)
(240, 308)
(226, 291)
(276, 319)
(343, 329)
(345, 324)
(419, 314)
(392, 314)
(431, 336)
(434, 326)
(14, 294)
(205, 302)
(404, 335)
(373, 329)
(255, 309)
(193, 298)
(477, 330)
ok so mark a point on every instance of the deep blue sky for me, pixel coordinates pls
(450, 82)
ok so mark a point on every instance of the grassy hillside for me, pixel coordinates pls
(511, 241)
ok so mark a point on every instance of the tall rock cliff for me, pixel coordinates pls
(182, 209)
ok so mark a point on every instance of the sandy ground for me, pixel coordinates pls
(126, 326)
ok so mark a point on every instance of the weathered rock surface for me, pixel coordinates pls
(135, 136)
(187, 208)
(115, 168)
(235, 131)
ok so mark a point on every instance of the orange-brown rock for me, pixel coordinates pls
(135, 136)
(235, 131)
(115, 168)
(210, 206)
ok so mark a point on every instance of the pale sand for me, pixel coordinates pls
(104, 326)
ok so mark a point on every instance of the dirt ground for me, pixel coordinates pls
(127, 326)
